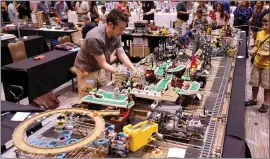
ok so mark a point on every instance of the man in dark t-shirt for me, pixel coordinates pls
(182, 14)
(148, 10)
(88, 25)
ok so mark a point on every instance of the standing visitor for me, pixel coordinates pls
(148, 8)
(221, 17)
(123, 6)
(60, 10)
(81, 8)
(182, 14)
(4, 11)
(260, 71)
(242, 14)
(93, 11)
(256, 18)
(12, 11)
(103, 16)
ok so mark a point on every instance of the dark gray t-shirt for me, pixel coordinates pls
(96, 43)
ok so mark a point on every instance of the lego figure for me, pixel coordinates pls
(131, 83)
(97, 86)
(60, 126)
(165, 73)
(116, 92)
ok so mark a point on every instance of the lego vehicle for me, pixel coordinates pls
(141, 134)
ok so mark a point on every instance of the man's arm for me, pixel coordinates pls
(95, 46)
(124, 58)
(182, 12)
(263, 53)
(103, 63)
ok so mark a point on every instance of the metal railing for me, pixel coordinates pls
(249, 31)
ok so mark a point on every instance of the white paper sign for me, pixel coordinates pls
(34, 18)
(20, 116)
(176, 153)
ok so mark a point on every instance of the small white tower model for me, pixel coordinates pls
(116, 92)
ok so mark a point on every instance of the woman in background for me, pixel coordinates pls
(221, 17)
(256, 18)
(4, 11)
(93, 11)
(123, 6)
(242, 14)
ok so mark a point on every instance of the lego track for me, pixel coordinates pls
(19, 135)
(212, 129)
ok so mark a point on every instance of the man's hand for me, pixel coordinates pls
(263, 53)
(251, 53)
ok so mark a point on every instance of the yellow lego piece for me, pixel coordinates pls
(141, 134)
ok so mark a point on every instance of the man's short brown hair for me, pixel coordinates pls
(266, 18)
(115, 16)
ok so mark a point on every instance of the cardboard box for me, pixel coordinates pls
(136, 51)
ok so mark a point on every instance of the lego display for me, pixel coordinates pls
(156, 112)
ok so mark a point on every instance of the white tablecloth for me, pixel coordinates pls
(161, 19)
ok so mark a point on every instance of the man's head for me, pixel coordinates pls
(266, 23)
(61, 1)
(103, 9)
(85, 19)
(116, 22)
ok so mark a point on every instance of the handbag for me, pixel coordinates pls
(253, 57)
(47, 101)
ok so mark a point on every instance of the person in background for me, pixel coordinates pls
(33, 6)
(261, 68)
(103, 16)
(4, 11)
(93, 11)
(200, 19)
(148, 8)
(233, 6)
(23, 10)
(88, 25)
(123, 7)
(202, 6)
(256, 19)
(253, 4)
(94, 57)
(72, 6)
(221, 17)
(182, 14)
(60, 10)
(12, 11)
(43, 6)
(226, 5)
(81, 8)
(242, 14)
(267, 5)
